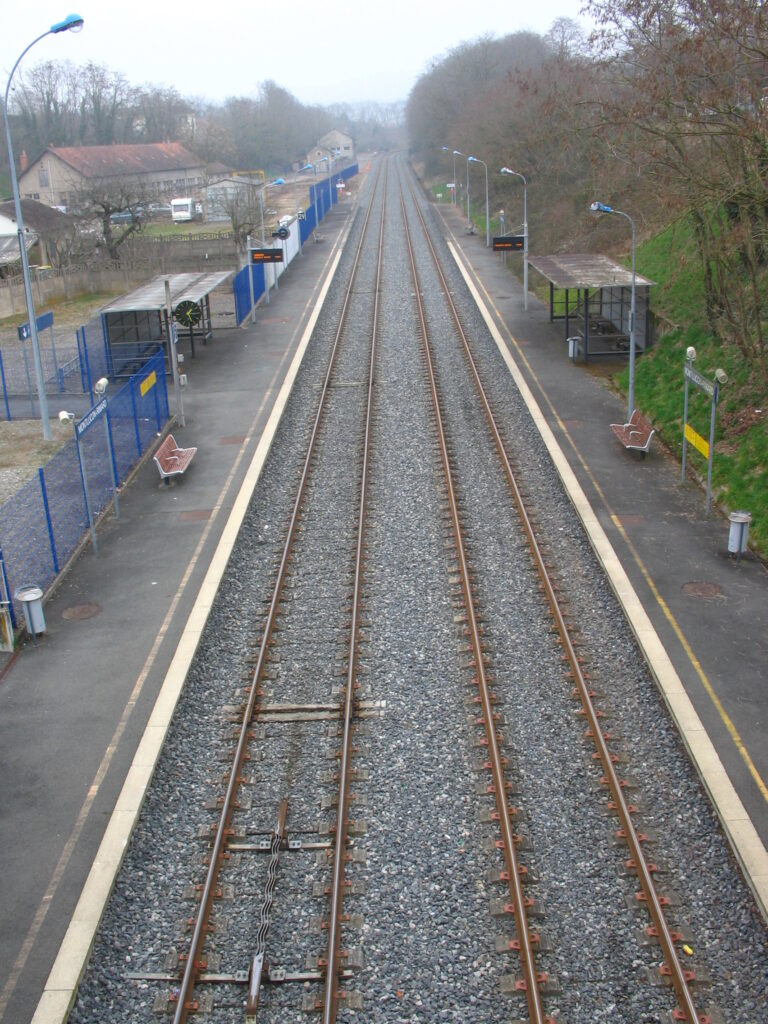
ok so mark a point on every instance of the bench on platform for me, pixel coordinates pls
(636, 434)
(172, 460)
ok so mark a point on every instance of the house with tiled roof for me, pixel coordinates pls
(163, 169)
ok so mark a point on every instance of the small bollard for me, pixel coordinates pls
(739, 533)
(31, 598)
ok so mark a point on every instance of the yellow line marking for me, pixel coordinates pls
(109, 753)
(745, 842)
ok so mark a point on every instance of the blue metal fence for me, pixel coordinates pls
(42, 525)
(322, 197)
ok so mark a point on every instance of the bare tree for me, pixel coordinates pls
(101, 201)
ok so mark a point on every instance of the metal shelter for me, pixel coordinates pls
(136, 324)
(598, 323)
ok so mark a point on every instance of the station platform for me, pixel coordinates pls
(74, 706)
(707, 610)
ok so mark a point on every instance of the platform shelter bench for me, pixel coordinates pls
(635, 435)
(172, 460)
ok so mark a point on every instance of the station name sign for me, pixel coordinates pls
(700, 381)
(266, 255)
(509, 243)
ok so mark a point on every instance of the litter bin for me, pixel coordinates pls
(32, 602)
(739, 532)
(574, 348)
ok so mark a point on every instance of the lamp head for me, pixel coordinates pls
(600, 208)
(721, 376)
(72, 23)
(473, 159)
(101, 385)
(445, 149)
(690, 353)
(457, 152)
(65, 416)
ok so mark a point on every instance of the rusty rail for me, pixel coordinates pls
(331, 993)
(675, 970)
(195, 964)
(525, 937)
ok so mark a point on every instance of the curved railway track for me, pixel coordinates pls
(381, 566)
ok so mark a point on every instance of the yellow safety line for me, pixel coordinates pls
(724, 716)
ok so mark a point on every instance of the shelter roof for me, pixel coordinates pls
(9, 247)
(141, 158)
(585, 270)
(151, 296)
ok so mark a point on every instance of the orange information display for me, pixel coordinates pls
(266, 255)
(509, 243)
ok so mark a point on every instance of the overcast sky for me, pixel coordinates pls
(327, 51)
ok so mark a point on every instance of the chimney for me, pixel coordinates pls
(23, 162)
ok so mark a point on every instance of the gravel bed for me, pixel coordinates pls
(420, 890)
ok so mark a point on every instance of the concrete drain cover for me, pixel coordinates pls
(78, 612)
(700, 588)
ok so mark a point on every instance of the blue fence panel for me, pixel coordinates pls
(92, 336)
(25, 542)
(66, 504)
(242, 291)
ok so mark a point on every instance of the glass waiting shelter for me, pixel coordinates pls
(592, 294)
(136, 324)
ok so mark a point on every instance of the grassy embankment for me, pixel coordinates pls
(740, 464)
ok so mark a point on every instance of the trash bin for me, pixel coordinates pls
(574, 347)
(739, 532)
(32, 602)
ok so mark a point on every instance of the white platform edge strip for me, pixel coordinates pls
(741, 833)
(60, 988)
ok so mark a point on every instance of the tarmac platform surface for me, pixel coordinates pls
(74, 706)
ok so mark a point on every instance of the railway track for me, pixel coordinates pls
(410, 654)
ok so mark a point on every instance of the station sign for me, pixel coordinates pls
(266, 255)
(42, 322)
(509, 243)
(700, 381)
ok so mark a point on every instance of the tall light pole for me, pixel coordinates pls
(455, 152)
(72, 23)
(602, 208)
(507, 170)
(477, 160)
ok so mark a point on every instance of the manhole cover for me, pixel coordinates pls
(700, 588)
(78, 612)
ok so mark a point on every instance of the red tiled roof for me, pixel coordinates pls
(109, 161)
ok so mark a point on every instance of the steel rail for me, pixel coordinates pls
(524, 936)
(629, 834)
(194, 963)
(331, 994)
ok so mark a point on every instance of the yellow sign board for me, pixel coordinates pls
(697, 440)
(148, 383)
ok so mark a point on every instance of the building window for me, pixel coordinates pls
(42, 177)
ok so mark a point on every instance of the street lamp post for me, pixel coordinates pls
(455, 152)
(72, 22)
(602, 208)
(477, 160)
(507, 170)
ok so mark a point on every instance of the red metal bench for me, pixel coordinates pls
(636, 434)
(172, 460)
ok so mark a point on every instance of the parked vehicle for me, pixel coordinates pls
(183, 209)
(127, 216)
